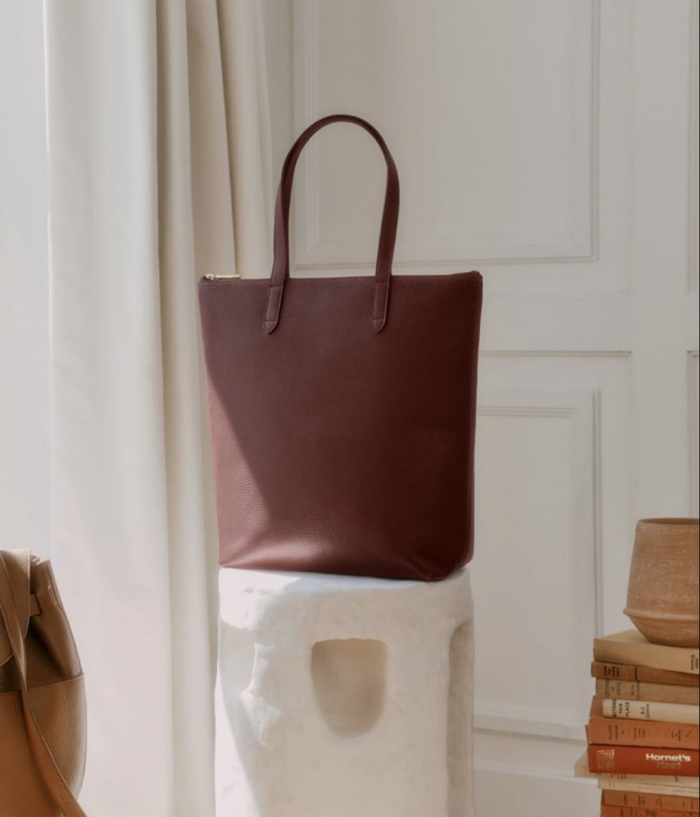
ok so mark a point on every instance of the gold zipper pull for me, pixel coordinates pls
(223, 277)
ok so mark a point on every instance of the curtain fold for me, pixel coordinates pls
(159, 161)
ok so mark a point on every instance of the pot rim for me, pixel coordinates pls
(647, 615)
(672, 523)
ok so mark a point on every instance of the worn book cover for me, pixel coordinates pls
(640, 761)
(654, 693)
(633, 649)
(649, 711)
(615, 811)
(630, 799)
(655, 735)
(645, 675)
(661, 786)
(686, 786)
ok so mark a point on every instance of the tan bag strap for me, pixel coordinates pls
(51, 774)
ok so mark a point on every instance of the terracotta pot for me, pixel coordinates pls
(664, 592)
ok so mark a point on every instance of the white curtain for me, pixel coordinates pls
(160, 173)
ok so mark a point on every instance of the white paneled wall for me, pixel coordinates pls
(472, 70)
(24, 281)
(553, 145)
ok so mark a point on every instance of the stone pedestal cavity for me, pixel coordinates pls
(345, 697)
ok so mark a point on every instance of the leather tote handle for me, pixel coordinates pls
(51, 774)
(387, 241)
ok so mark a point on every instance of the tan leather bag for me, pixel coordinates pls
(42, 695)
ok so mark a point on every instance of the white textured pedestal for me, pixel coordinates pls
(344, 697)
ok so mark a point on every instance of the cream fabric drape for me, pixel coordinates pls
(160, 172)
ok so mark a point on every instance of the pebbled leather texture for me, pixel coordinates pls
(344, 435)
(54, 712)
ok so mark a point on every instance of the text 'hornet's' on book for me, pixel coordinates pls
(635, 760)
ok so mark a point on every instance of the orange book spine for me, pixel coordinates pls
(654, 693)
(659, 802)
(620, 672)
(615, 811)
(646, 734)
(636, 761)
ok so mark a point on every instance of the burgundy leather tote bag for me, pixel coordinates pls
(343, 410)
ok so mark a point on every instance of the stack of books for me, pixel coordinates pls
(644, 730)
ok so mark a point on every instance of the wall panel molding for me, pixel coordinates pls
(581, 410)
(533, 723)
(577, 244)
(512, 770)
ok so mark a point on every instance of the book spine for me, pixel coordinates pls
(611, 732)
(620, 672)
(654, 693)
(627, 799)
(645, 711)
(615, 811)
(630, 760)
(649, 788)
(647, 655)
